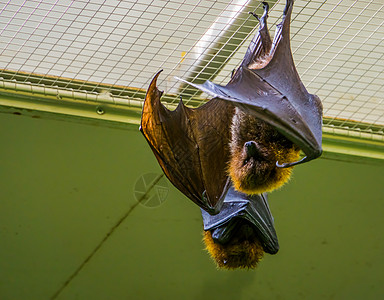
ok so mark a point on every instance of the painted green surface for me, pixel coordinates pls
(64, 186)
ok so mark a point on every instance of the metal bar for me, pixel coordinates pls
(343, 145)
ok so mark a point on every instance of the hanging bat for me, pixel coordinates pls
(240, 144)
(241, 232)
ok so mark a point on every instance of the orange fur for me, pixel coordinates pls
(274, 177)
(257, 173)
(236, 254)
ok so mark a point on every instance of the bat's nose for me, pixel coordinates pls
(251, 149)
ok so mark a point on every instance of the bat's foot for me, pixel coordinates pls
(288, 4)
(262, 40)
(266, 10)
(253, 14)
(263, 18)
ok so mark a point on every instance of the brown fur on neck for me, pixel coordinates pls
(258, 174)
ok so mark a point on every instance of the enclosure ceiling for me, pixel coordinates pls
(111, 50)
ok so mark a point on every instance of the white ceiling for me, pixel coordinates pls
(337, 45)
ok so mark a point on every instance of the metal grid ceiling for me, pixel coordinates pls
(117, 46)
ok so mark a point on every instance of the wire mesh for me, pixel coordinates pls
(117, 46)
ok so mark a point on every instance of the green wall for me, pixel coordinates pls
(65, 186)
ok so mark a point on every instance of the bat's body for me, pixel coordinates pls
(225, 154)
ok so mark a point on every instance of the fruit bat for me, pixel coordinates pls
(241, 232)
(239, 145)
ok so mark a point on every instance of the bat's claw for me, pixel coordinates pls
(266, 9)
(263, 18)
(253, 14)
(288, 165)
(287, 5)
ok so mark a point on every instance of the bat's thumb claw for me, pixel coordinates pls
(295, 163)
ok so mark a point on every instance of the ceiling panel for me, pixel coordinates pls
(117, 46)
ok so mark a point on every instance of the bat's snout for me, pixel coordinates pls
(251, 149)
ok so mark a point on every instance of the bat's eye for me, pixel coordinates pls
(275, 135)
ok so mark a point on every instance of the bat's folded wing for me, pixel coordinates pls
(191, 146)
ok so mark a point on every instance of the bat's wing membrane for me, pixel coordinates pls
(274, 92)
(191, 146)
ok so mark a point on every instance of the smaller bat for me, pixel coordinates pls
(238, 236)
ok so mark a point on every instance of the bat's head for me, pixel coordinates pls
(242, 249)
(255, 148)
